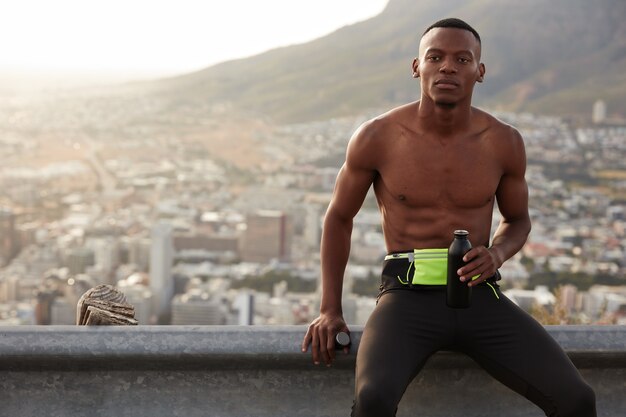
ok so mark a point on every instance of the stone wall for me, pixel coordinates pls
(259, 371)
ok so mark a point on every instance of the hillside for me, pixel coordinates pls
(553, 56)
(542, 56)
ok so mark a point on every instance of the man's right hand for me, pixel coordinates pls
(321, 337)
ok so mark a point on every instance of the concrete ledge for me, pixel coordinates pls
(235, 347)
(255, 371)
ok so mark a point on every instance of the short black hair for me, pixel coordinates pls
(453, 22)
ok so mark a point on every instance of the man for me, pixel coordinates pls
(437, 165)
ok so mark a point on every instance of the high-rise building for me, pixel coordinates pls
(245, 305)
(106, 254)
(313, 226)
(139, 252)
(599, 111)
(10, 289)
(8, 243)
(267, 237)
(161, 260)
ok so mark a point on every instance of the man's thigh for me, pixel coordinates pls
(405, 328)
(515, 349)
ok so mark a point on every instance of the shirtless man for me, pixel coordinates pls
(437, 165)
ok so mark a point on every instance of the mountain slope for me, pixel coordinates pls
(550, 56)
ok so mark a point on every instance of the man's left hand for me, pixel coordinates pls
(480, 261)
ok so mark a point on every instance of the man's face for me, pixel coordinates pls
(448, 65)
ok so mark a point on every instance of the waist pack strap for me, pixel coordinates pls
(429, 267)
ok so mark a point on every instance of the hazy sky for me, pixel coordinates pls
(160, 37)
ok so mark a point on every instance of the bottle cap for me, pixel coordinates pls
(342, 339)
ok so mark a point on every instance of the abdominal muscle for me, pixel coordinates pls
(408, 227)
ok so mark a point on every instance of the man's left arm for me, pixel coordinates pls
(514, 227)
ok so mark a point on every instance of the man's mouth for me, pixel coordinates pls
(446, 84)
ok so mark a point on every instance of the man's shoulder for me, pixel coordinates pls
(398, 115)
(373, 137)
(494, 126)
(387, 122)
(504, 141)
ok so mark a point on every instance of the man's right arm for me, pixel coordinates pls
(353, 181)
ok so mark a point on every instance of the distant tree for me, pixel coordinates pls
(581, 280)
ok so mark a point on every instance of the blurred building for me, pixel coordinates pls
(570, 298)
(598, 114)
(79, 259)
(527, 299)
(62, 312)
(606, 303)
(138, 248)
(209, 242)
(10, 289)
(161, 260)
(8, 236)
(197, 307)
(313, 226)
(244, 304)
(106, 256)
(267, 237)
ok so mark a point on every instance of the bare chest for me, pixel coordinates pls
(460, 175)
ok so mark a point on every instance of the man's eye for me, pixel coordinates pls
(464, 60)
(433, 58)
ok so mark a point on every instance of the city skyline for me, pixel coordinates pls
(176, 228)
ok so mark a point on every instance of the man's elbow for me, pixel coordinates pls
(525, 226)
(522, 224)
(335, 219)
(529, 227)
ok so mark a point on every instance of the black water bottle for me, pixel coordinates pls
(458, 294)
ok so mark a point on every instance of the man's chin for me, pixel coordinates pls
(445, 104)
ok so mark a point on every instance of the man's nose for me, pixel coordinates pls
(447, 67)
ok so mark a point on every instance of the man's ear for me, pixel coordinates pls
(415, 67)
(481, 72)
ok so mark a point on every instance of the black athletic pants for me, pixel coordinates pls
(409, 325)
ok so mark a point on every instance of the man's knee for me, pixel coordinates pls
(372, 401)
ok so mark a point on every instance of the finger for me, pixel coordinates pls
(473, 275)
(306, 341)
(476, 281)
(484, 273)
(330, 347)
(471, 254)
(323, 348)
(315, 347)
(484, 276)
(471, 269)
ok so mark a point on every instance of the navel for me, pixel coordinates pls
(401, 197)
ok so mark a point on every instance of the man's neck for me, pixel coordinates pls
(444, 118)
